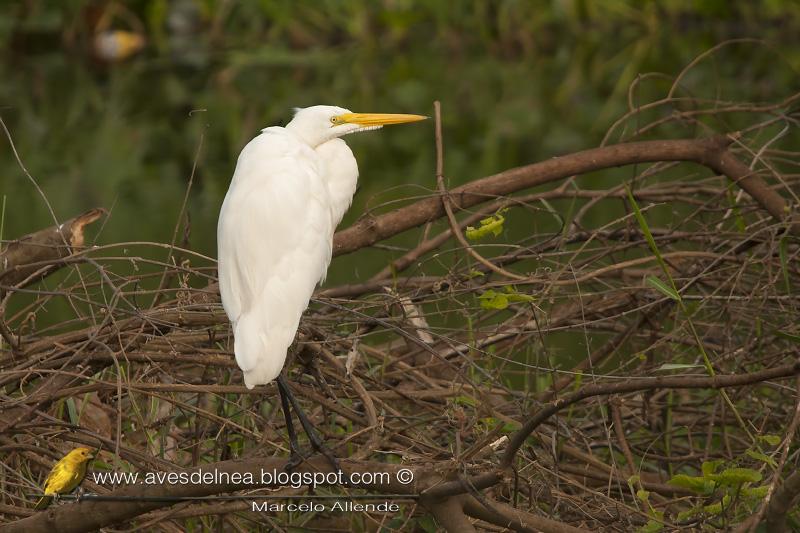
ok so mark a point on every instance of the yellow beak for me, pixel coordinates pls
(377, 119)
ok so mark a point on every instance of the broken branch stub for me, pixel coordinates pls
(35, 256)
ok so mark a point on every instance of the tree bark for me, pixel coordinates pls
(37, 255)
(781, 503)
(711, 152)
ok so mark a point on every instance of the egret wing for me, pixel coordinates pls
(274, 239)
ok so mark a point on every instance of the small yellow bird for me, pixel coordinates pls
(65, 475)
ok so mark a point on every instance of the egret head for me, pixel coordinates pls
(322, 123)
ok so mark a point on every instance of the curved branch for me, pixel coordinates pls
(781, 503)
(504, 515)
(450, 515)
(22, 257)
(127, 502)
(669, 382)
(91, 514)
(710, 152)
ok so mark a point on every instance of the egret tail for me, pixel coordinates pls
(260, 358)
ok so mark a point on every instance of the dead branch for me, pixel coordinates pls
(125, 503)
(504, 515)
(782, 502)
(711, 152)
(652, 383)
(450, 514)
(31, 258)
(453, 356)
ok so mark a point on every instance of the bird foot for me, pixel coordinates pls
(320, 448)
(296, 457)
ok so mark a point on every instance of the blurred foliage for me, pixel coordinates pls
(519, 82)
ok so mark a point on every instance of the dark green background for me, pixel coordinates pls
(519, 82)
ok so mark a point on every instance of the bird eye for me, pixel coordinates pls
(335, 120)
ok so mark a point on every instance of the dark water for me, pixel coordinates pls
(518, 81)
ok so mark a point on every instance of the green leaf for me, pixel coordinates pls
(465, 400)
(772, 440)
(2, 220)
(716, 508)
(642, 221)
(426, 522)
(395, 524)
(493, 300)
(677, 366)
(646, 230)
(643, 495)
(652, 526)
(662, 287)
(492, 225)
(790, 336)
(514, 296)
(755, 493)
(759, 456)
(553, 211)
(686, 515)
(72, 411)
(737, 476)
(709, 467)
(784, 261)
(700, 485)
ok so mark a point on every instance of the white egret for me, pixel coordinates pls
(289, 191)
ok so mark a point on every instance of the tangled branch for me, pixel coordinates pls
(563, 373)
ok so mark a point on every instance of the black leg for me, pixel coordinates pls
(294, 448)
(313, 437)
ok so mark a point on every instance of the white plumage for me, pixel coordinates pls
(290, 190)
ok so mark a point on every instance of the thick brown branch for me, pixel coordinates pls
(504, 515)
(781, 503)
(450, 515)
(91, 515)
(710, 152)
(24, 257)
